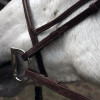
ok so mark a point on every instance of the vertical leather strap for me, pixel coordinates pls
(33, 37)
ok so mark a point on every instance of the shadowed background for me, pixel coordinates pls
(86, 89)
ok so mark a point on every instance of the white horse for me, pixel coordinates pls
(73, 57)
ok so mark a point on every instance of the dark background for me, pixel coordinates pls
(3, 3)
(84, 88)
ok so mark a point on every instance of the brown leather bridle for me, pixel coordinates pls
(38, 46)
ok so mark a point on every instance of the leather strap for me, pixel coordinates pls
(43, 80)
(61, 17)
(93, 8)
(30, 25)
(55, 86)
(34, 38)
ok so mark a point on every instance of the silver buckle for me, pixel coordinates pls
(18, 64)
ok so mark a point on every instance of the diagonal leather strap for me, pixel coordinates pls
(61, 17)
(93, 8)
(55, 86)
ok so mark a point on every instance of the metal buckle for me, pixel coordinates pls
(18, 64)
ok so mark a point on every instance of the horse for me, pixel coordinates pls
(72, 57)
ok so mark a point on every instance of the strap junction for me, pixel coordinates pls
(38, 46)
(93, 8)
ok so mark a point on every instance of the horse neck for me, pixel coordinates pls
(44, 8)
(49, 10)
(13, 21)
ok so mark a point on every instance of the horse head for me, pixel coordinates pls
(73, 57)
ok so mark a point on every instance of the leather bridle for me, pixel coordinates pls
(38, 46)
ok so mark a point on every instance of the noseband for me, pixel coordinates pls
(41, 77)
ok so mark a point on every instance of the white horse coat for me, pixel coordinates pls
(74, 56)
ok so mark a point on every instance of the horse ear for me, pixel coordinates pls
(18, 64)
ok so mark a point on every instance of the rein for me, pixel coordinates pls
(38, 46)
